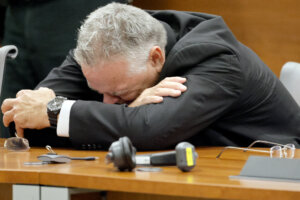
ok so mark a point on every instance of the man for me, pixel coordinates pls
(204, 86)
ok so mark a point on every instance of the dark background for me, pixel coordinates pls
(2, 14)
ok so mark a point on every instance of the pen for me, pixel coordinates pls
(84, 158)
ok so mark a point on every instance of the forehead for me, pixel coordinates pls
(107, 76)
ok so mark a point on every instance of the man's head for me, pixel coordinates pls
(121, 51)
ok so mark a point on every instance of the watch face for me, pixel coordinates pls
(55, 104)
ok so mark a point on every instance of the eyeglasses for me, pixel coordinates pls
(277, 151)
(16, 144)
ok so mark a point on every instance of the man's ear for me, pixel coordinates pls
(157, 57)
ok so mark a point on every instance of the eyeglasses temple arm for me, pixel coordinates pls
(239, 148)
(228, 147)
(219, 155)
(261, 141)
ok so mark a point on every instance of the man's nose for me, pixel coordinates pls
(110, 99)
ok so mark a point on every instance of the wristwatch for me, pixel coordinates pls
(53, 109)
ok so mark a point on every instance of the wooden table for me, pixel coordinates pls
(209, 179)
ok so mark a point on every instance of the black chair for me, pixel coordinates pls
(6, 52)
(290, 77)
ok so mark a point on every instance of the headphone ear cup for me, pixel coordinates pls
(129, 152)
(122, 154)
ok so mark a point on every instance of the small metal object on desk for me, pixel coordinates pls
(51, 152)
(36, 163)
(53, 158)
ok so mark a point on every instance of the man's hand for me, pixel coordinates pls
(28, 109)
(171, 86)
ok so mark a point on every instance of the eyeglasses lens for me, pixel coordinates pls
(276, 152)
(289, 150)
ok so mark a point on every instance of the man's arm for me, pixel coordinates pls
(170, 86)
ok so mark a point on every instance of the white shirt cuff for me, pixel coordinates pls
(64, 119)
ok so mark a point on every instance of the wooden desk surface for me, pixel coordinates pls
(209, 179)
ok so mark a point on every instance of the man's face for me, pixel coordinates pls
(115, 83)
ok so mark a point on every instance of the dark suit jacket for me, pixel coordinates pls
(233, 98)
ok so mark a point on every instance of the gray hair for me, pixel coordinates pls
(119, 30)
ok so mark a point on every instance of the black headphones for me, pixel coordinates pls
(122, 155)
